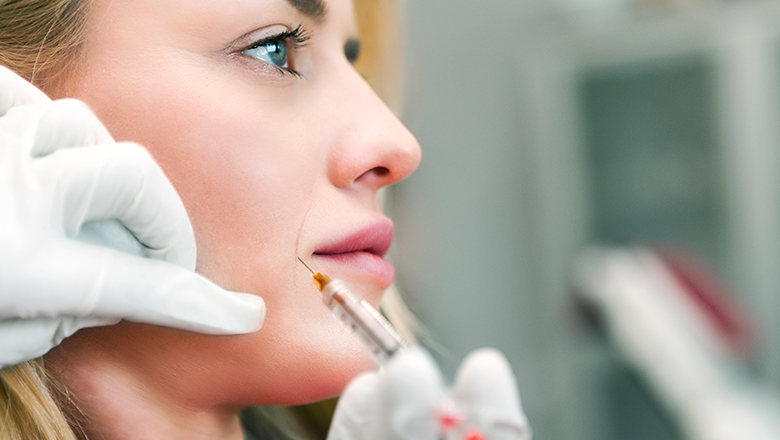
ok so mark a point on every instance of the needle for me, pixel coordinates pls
(306, 265)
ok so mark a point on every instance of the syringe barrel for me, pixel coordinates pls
(365, 321)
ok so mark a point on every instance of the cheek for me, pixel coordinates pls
(246, 191)
(242, 167)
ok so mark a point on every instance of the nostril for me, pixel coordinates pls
(381, 171)
(375, 172)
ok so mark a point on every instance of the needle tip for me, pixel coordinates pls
(306, 265)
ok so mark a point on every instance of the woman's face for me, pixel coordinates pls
(275, 158)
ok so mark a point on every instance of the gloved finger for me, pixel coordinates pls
(67, 123)
(16, 91)
(111, 233)
(78, 279)
(486, 387)
(410, 390)
(174, 297)
(25, 339)
(121, 181)
(356, 409)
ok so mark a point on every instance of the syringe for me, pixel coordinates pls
(384, 341)
(365, 321)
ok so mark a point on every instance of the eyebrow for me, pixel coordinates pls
(314, 9)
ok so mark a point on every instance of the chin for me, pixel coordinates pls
(341, 376)
(306, 373)
(341, 370)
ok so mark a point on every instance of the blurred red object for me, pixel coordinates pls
(714, 299)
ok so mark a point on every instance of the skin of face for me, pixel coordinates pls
(270, 167)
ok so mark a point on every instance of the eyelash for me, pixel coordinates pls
(295, 39)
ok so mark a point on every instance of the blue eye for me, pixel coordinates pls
(272, 52)
(279, 51)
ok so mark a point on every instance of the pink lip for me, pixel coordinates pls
(361, 253)
(375, 239)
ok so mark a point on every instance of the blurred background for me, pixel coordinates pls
(547, 125)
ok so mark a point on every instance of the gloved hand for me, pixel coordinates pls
(60, 169)
(409, 401)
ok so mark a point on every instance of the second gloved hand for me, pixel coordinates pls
(408, 401)
(59, 170)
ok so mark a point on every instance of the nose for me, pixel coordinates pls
(372, 148)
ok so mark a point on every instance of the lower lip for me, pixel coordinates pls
(360, 264)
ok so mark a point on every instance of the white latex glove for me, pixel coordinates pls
(408, 400)
(60, 169)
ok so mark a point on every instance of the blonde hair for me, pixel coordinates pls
(28, 407)
(41, 40)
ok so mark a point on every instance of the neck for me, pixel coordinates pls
(116, 401)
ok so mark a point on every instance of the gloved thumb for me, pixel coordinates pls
(487, 389)
(412, 389)
(158, 292)
(396, 403)
(357, 408)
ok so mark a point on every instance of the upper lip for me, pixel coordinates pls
(373, 239)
